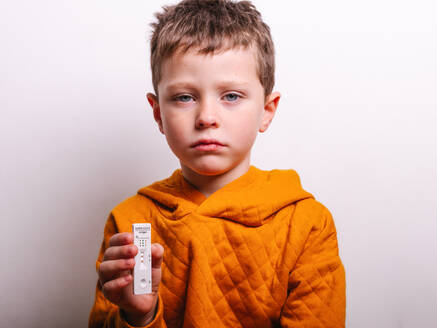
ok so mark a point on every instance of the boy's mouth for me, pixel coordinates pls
(207, 144)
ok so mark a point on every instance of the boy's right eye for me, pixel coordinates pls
(184, 98)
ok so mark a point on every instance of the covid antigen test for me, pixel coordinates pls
(143, 260)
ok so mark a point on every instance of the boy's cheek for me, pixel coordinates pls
(175, 136)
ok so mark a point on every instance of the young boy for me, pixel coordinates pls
(233, 246)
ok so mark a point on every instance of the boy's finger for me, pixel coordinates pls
(111, 289)
(120, 252)
(108, 270)
(122, 238)
(157, 255)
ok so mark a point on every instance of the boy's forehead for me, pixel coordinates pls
(207, 51)
(195, 59)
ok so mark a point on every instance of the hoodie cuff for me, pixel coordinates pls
(157, 322)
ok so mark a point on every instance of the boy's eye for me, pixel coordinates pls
(232, 97)
(184, 98)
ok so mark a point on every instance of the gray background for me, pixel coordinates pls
(357, 121)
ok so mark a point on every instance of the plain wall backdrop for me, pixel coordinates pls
(357, 120)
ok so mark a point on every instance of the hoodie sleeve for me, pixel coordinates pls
(105, 314)
(316, 285)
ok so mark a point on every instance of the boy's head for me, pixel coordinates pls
(212, 69)
(212, 26)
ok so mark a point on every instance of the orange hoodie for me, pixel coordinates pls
(259, 252)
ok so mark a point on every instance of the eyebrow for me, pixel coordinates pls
(221, 84)
(233, 84)
(180, 85)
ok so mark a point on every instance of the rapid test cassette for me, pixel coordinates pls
(143, 260)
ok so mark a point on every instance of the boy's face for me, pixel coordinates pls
(211, 108)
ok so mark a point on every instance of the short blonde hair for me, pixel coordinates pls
(211, 26)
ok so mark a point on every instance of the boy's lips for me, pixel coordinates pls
(207, 144)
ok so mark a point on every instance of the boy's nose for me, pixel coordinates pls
(206, 117)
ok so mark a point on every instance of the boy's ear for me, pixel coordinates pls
(270, 106)
(153, 101)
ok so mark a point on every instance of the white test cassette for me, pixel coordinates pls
(142, 271)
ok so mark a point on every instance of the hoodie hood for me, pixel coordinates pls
(248, 200)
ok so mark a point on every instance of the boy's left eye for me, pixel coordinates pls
(232, 97)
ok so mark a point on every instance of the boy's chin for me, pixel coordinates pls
(215, 167)
(206, 169)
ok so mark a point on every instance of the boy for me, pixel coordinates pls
(233, 246)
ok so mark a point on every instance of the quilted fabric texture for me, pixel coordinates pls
(260, 252)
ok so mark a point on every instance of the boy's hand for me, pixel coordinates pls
(115, 275)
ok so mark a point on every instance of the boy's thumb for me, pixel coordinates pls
(157, 255)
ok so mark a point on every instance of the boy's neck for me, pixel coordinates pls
(208, 184)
